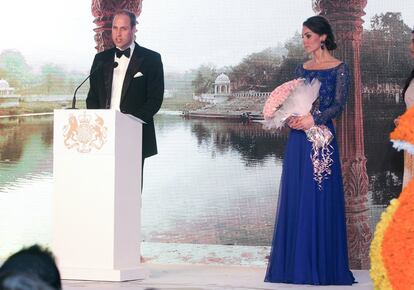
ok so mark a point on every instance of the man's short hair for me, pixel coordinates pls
(34, 261)
(131, 15)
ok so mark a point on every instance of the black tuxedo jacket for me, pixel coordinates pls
(141, 96)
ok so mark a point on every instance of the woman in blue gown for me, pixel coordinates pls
(309, 243)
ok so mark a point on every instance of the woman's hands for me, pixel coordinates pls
(301, 123)
(396, 121)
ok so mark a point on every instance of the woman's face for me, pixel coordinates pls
(311, 40)
(412, 45)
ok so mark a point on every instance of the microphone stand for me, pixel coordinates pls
(115, 64)
(74, 94)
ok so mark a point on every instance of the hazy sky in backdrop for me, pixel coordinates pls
(187, 33)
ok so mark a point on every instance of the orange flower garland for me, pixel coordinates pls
(403, 135)
(398, 244)
(392, 249)
(378, 272)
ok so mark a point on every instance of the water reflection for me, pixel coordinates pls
(25, 148)
(385, 164)
(252, 142)
(213, 181)
(10, 147)
(25, 182)
(210, 187)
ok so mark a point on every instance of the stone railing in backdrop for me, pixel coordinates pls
(251, 94)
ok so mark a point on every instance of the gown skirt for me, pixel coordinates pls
(309, 244)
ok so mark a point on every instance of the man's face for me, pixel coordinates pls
(122, 32)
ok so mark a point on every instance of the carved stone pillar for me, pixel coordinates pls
(345, 18)
(103, 11)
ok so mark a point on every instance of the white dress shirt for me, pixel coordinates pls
(118, 78)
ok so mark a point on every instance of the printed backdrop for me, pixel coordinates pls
(214, 181)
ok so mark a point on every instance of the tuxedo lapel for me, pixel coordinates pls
(133, 68)
(108, 71)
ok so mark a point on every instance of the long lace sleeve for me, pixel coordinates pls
(340, 99)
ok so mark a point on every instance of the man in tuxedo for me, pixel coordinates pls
(128, 78)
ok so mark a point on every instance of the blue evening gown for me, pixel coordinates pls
(309, 243)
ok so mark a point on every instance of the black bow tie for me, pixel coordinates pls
(125, 52)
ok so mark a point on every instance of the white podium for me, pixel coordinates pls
(97, 195)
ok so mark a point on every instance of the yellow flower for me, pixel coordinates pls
(378, 270)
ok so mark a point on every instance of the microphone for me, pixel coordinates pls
(98, 66)
(115, 65)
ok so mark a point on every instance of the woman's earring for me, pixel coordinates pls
(322, 44)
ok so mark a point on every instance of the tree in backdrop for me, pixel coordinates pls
(52, 78)
(179, 84)
(265, 70)
(384, 50)
(384, 58)
(256, 71)
(294, 57)
(204, 79)
(14, 69)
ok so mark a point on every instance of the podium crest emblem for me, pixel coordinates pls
(84, 133)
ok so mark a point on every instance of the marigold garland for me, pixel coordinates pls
(403, 135)
(378, 270)
(392, 249)
(398, 243)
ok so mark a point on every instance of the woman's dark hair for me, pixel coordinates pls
(34, 261)
(22, 281)
(321, 26)
(410, 78)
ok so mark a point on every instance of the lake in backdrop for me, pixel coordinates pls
(213, 181)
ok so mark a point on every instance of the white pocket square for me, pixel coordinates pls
(138, 74)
